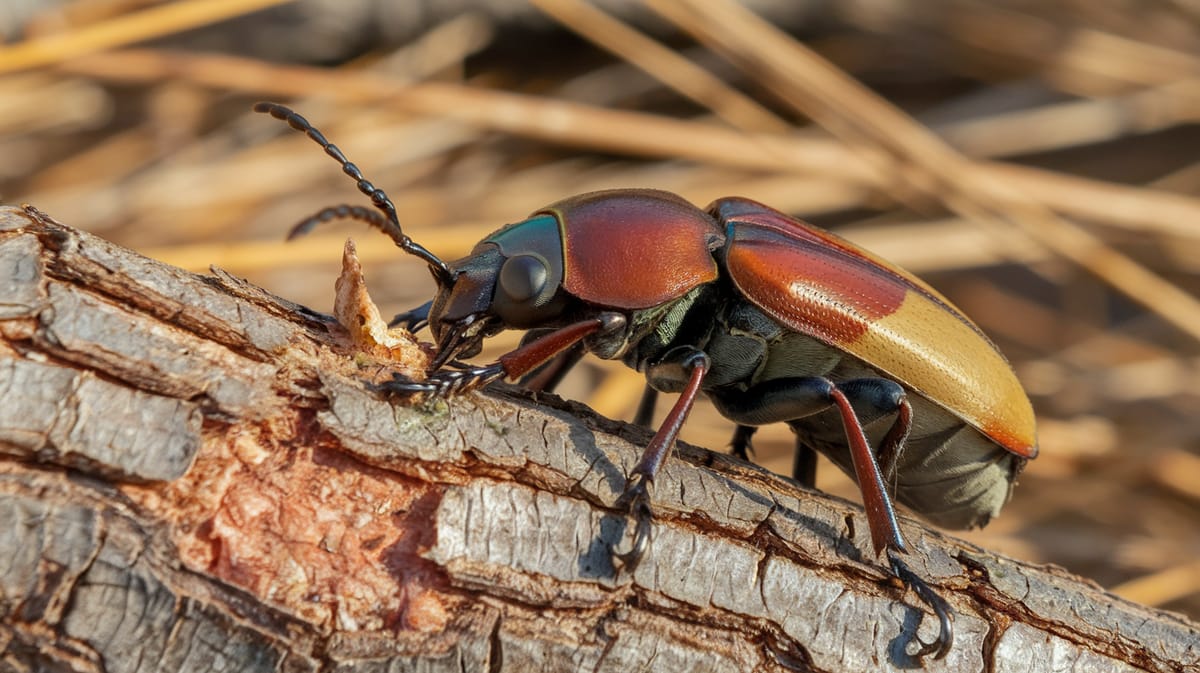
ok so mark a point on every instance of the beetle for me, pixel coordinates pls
(771, 318)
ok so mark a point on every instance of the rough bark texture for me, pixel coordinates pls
(193, 477)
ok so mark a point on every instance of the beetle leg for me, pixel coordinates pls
(804, 465)
(547, 376)
(777, 401)
(512, 365)
(529, 356)
(881, 517)
(782, 400)
(694, 363)
(791, 399)
(636, 499)
(645, 410)
(413, 320)
(875, 397)
(443, 383)
(740, 446)
(885, 532)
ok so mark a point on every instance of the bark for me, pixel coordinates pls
(193, 476)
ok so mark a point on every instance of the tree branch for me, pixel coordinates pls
(193, 474)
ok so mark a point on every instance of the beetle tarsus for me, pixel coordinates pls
(444, 383)
(941, 645)
(636, 499)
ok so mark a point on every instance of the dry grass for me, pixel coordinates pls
(1040, 169)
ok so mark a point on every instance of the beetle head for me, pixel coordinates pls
(511, 280)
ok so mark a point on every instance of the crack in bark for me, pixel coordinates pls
(495, 648)
(1000, 612)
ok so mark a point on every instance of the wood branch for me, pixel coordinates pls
(193, 476)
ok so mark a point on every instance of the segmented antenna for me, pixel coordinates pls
(384, 220)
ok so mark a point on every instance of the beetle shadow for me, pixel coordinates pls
(898, 647)
(583, 425)
(596, 562)
(841, 541)
(829, 535)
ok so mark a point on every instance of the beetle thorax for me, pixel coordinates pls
(652, 332)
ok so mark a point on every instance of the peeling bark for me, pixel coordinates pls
(194, 477)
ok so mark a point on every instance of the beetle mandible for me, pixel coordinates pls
(773, 319)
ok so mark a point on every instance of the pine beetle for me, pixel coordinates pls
(773, 319)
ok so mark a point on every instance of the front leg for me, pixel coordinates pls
(547, 376)
(513, 365)
(413, 320)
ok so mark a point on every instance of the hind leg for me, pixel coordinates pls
(858, 402)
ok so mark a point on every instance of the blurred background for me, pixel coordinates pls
(1049, 185)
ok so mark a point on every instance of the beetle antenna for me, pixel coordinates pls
(387, 222)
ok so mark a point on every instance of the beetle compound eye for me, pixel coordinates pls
(527, 291)
(524, 277)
